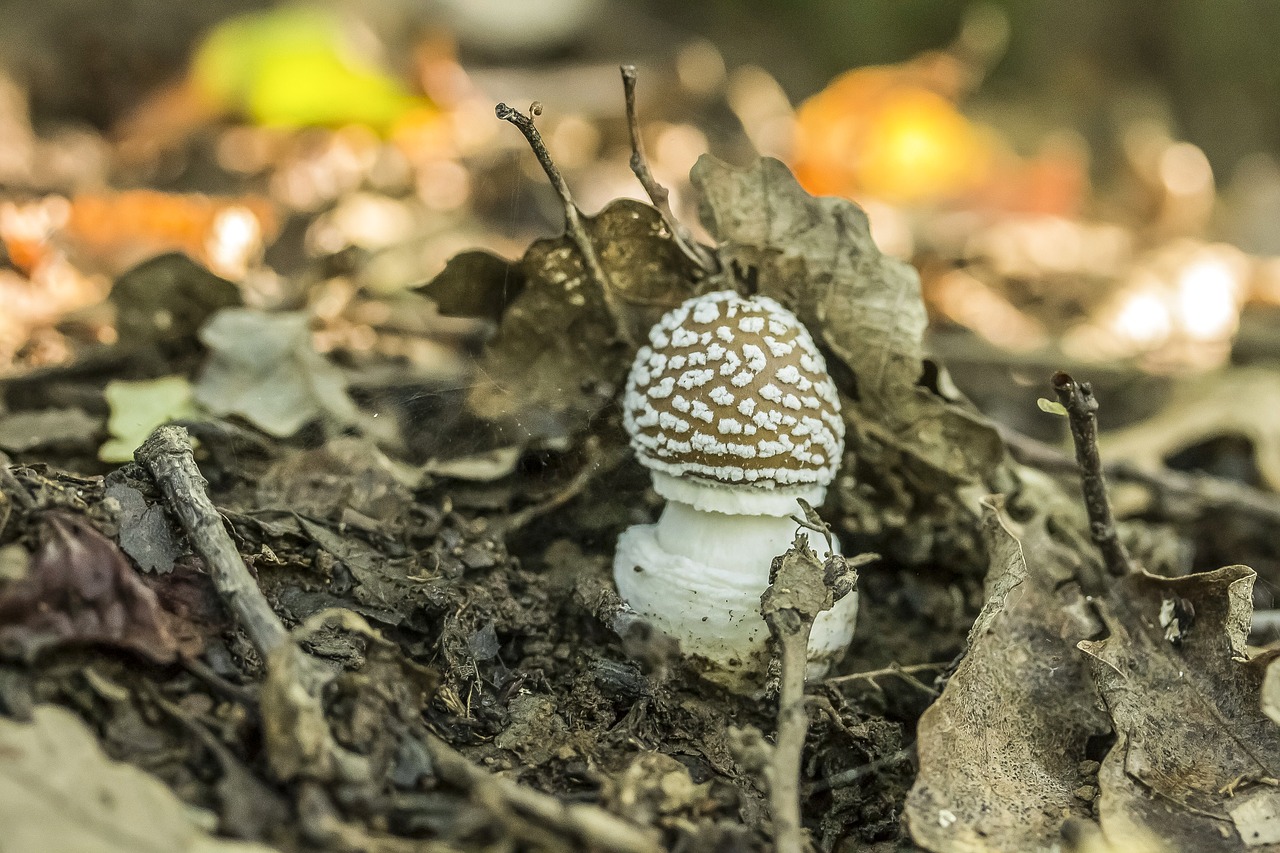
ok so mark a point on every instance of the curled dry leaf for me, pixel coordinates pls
(1195, 758)
(81, 589)
(560, 351)
(816, 256)
(1001, 749)
(1243, 401)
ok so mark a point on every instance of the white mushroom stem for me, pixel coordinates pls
(698, 575)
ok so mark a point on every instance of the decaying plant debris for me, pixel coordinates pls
(315, 641)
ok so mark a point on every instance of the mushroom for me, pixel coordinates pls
(731, 408)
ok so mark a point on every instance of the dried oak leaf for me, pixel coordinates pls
(1195, 756)
(1000, 750)
(60, 792)
(563, 342)
(816, 256)
(81, 589)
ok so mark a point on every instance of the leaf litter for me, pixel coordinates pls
(456, 678)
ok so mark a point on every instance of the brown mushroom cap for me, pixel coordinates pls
(732, 390)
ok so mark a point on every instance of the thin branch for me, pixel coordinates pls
(894, 669)
(1082, 413)
(856, 774)
(658, 194)
(573, 224)
(595, 460)
(800, 588)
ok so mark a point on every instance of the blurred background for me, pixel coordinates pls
(1079, 182)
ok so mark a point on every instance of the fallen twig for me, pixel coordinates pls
(792, 634)
(658, 194)
(595, 827)
(297, 737)
(595, 459)
(856, 774)
(906, 672)
(166, 454)
(1082, 413)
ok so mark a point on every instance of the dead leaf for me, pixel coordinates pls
(808, 249)
(346, 480)
(486, 467)
(81, 589)
(797, 583)
(560, 352)
(1000, 750)
(816, 256)
(168, 298)
(47, 428)
(1191, 734)
(59, 792)
(1242, 401)
(476, 284)
(263, 367)
(189, 603)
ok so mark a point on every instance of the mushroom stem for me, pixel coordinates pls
(698, 575)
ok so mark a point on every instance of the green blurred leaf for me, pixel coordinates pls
(295, 66)
(1052, 407)
(137, 408)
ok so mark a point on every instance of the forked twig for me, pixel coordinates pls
(574, 228)
(658, 194)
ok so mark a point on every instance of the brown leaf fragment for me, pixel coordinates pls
(1243, 401)
(81, 589)
(475, 284)
(168, 298)
(190, 606)
(1192, 740)
(560, 352)
(264, 368)
(21, 432)
(1001, 749)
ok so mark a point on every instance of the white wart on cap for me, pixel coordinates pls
(732, 409)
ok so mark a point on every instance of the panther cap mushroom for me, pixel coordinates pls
(731, 391)
(731, 408)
